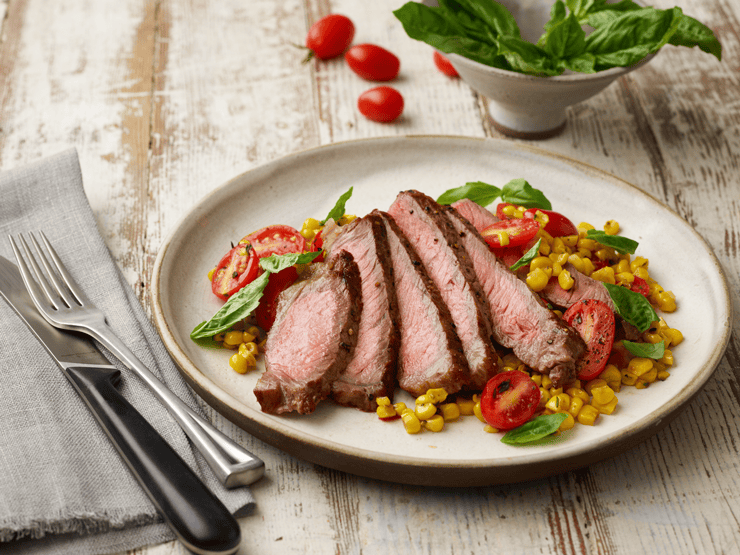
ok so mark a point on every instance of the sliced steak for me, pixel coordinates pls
(430, 353)
(477, 215)
(371, 372)
(433, 237)
(519, 320)
(312, 339)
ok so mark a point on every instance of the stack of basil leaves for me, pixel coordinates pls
(623, 34)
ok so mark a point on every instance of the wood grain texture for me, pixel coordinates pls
(166, 100)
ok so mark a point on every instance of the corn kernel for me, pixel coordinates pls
(544, 248)
(385, 411)
(250, 348)
(218, 337)
(576, 403)
(383, 401)
(605, 408)
(666, 301)
(558, 246)
(588, 244)
(489, 429)
(588, 415)
(434, 424)
(210, 274)
(438, 395)
(559, 403)
(511, 211)
(596, 382)
(233, 338)
(424, 411)
(602, 395)
(663, 375)
(579, 393)
(537, 379)
(675, 335)
(238, 363)
(347, 218)
(537, 280)
(570, 241)
(583, 227)
(611, 227)
(577, 262)
(667, 358)
(540, 262)
(565, 280)
(588, 266)
(642, 273)
(477, 411)
(450, 411)
(424, 399)
(399, 408)
(611, 376)
(650, 376)
(556, 269)
(466, 406)
(623, 266)
(546, 381)
(544, 397)
(652, 337)
(641, 384)
(605, 275)
(411, 422)
(628, 378)
(638, 366)
(568, 423)
(638, 262)
(309, 229)
(625, 277)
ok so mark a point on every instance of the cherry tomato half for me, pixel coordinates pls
(382, 104)
(519, 232)
(594, 321)
(509, 399)
(330, 36)
(500, 210)
(237, 268)
(557, 225)
(640, 286)
(276, 239)
(372, 62)
(267, 309)
(318, 244)
(444, 65)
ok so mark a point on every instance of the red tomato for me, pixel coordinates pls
(640, 286)
(276, 239)
(318, 244)
(330, 36)
(520, 231)
(372, 62)
(500, 210)
(382, 104)
(594, 321)
(267, 309)
(236, 269)
(557, 225)
(509, 399)
(444, 65)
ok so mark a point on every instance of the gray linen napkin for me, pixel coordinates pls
(63, 488)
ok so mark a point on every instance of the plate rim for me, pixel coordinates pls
(371, 464)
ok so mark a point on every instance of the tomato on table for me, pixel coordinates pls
(372, 62)
(557, 224)
(518, 231)
(267, 308)
(509, 400)
(237, 268)
(330, 36)
(444, 65)
(594, 321)
(381, 104)
(276, 239)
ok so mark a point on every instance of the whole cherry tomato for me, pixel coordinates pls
(557, 224)
(330, 36)
(237, 268)
(594, 321)
(372, 62)
(518, 231)
(383, 104)
(509, 399)
(444, 65)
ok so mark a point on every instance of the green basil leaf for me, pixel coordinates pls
(338, 210)
(645, 350)
(279, 262)
(239, 306)
(520, 192)
(632, 306)
(535, 429)
(600, 13)
(565, 39)
(477, 191)
(558, 14)
(530, 255)
(692, 33)
(526, 57)
(583, 63)
(494, 15)
(581, 8)
(622, 245)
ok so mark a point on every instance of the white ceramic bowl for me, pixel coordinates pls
(526, 106)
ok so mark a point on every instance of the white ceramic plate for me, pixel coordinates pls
(307, 184)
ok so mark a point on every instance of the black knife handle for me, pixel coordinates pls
(198, 518)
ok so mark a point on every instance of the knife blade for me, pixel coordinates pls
(196, 516)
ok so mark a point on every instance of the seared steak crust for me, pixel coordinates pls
(434, 238)
(312, 339)
(519, 320)
(430, 353)
(371, 372)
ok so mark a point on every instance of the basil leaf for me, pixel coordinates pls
(565, 39)
(557, 14)
(277, 263)
(239, 306)
(493, 14)
(477, 191)
(526, 57)
(691, 33)
(645, 350)
(338, 210)
(600, 13)
(631, 306)
(535, 429)
(528, 256)
(622, 245)
(520, 192)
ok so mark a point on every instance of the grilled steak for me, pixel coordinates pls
(433, 237)
(519, 320)
(430, 354)
(475, 213)
(312, 339)
(371, 372)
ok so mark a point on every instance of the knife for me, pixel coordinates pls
(196, 516)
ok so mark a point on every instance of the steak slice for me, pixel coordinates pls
(477, 215)
(430, 354)
(519, 320)
(371, 372)
(435, 240)
(312, 339)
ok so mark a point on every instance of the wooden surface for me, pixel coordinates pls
(167, 99)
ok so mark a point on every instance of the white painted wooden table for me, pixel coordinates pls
(167, 99)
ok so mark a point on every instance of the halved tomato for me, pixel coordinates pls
(276, 239)
(509, 399)
(236, 269)
(640, 286)
(594, 321)
(518, 232)
(557, 225)
(267, 309)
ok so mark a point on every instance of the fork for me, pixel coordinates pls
(64, 305)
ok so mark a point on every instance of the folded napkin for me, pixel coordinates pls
(63, 487)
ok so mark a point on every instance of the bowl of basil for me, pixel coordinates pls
(532, 58)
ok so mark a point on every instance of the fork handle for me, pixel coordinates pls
(232, 464)
(198, 518)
